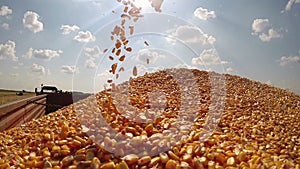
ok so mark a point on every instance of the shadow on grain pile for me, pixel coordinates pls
(259, 128)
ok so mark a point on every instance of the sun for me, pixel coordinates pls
(141, 3)
(147, 4)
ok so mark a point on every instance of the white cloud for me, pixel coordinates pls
(1, 73)
(270, 35)
(144, 54)
(141, 69)
(28, 54)
(7, 50)
(31, 21)
(38, 69)
(193, 34)
(69, 69)
(105, 74)
(204, 14)
(229, 70)
(5, 10)
(290, 4)
(93, 51)
(67, 29)
(269, 82)
(184, 65)
(259, 25)
(207, 57)
(47, 54)
(223, 62)
(5, 26)
(48, 72)
(15, 75)
(263, 29)
(85, 37)
(90, 63)
(284, 60)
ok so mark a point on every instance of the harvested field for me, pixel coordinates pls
(7, 96)
(259, 128)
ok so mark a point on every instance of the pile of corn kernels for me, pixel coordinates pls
(259, 128)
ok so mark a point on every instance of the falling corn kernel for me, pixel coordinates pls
(118, 44)
(146, 43)
(126, 9)
(122, 58)
(125, 16)
(113, 68)
(125, 42)
(118, 52)
(134, 72)
(129, 49)
(131, 29)
(121, 69)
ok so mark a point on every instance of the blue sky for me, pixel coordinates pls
(61, 43)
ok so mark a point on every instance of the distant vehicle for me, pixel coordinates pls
(47, 90)
(47, 100)
(57, 99)
(19, 93)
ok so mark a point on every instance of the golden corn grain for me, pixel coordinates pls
(220, 158)
(187, 157)
(184, 165)
(171, 164)
(5, 165)
(75, 143)
(95, 163)
(47, 137)
(55, 162)
(65, 152)
(47, 164)
(82, 141)
(154, 161)
(90, 155)
(245, 137)
(46, 152)
(67, 161)
(79, 157)
(144, 160)
(108, 165)
(164, 158)
(56, 167)
(242, 156)
(72, 167)
(131, 159)
(173, 156)
(219, 167)
(122, 165)
(230, 161)
(210, 156)
(55, 149)
(22, 166)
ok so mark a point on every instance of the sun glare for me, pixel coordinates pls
(144, 4)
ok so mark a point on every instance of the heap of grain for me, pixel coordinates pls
(260, 128)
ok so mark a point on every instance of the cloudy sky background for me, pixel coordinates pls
(61, 43)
